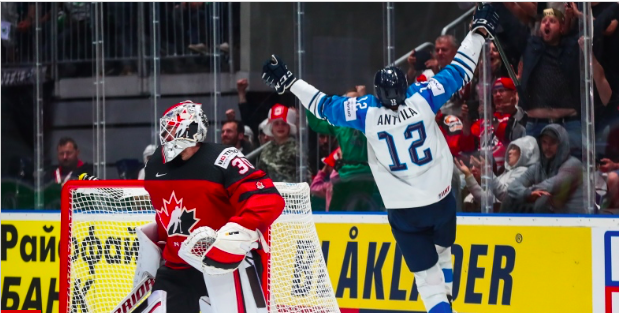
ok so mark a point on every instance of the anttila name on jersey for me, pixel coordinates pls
(399, 117)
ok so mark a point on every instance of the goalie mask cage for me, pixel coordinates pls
(99, 249)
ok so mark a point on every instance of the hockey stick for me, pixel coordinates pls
(506, 63)
(135, 297)
(499, 47)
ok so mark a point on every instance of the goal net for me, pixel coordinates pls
(99, 249)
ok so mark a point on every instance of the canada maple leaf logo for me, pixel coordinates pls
(172, 204)
(181, 220)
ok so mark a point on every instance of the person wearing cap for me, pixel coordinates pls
(553, 185)
(512, 119)
(550, 86)
(279, 159)
(262, 136)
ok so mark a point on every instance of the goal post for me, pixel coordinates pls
(98, 249)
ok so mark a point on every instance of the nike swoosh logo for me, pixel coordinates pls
(157, 175)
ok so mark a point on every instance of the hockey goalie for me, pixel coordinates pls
(212, 208)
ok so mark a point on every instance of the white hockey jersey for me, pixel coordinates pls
(407, 153)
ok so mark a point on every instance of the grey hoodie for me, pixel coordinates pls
(561, 176)
(529, 155)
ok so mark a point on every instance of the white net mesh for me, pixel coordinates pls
(298, 278)
(104, 247)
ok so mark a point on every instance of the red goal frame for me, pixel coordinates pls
(65, 235)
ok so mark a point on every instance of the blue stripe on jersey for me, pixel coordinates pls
(464, 64)
(309, 107)
(466, 56)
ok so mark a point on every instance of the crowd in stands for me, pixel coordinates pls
(534, 136)
(536, 133)
(67, 30)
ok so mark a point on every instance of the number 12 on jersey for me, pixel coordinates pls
(412, 150)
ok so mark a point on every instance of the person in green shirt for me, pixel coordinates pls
(356, 189)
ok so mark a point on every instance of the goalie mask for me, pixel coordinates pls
(182, 126)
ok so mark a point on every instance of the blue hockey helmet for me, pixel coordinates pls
(390, 86)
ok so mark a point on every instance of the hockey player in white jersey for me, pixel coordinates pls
(407, 153)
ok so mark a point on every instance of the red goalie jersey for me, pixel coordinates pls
(215, 186)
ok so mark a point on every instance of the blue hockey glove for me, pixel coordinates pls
(275, 73)
(486, 18)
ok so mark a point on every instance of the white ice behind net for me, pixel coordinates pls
(104, 251)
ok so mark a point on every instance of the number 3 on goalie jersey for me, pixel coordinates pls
(412, 151)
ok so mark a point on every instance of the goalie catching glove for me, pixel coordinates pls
(220, 252)
(275, 73)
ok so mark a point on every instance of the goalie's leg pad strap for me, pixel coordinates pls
(157, 302)
(236, 292)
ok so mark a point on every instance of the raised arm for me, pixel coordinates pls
(456, 75)
(337, 110)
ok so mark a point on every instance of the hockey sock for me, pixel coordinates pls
(444, 261)
(431, 286)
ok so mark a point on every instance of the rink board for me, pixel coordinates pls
(501, 264)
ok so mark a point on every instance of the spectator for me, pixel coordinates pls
(521, 154)
(417, 68)
(322, 184)
(356, 189)
(75, 39)
(148, 152)
(248, 137)
(550, 85)
(262, 136)
(445, 48)
(123, 18)
(553, 185)
(504, 100)
(25, 30)
(512, 119)
(515, 16)
(69, 165)
(610, 165)
(230, 115)
(250, 113)
(326, 144)
(612, 182)
(233, 134)
(279, 159)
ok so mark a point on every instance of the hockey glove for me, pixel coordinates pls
(229, 249)
(275, 73)
(485, 17)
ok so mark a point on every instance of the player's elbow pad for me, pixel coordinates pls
(149, 254)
